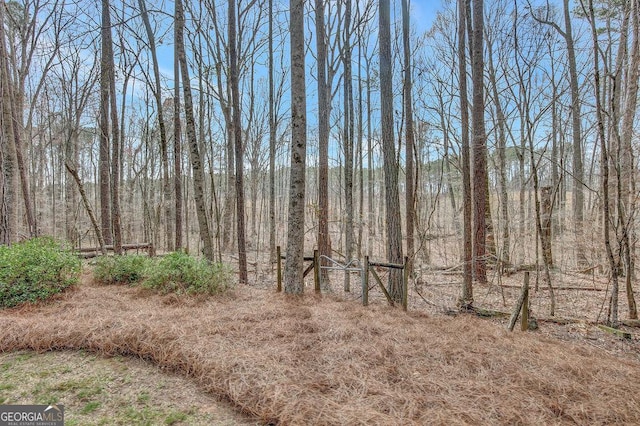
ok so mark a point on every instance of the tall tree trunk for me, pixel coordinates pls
(70, 192)
(237, 136)
(272, 145)
(466, 300)
(392, 198)
(627, 165)
(480, 189)
(578, 168)
(104, 156)
(115, 133)
(8, 172)
(293, 278)
(410, 136)
(196, 158)
(348, 140)
(164, 151)
(177, 152)
(360, 149)
(604, 164)
(324, 245)
(370, 169)
(502, 158)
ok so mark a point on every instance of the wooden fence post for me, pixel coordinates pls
(316, 271)
(365, 282)
(405, 286)
(279, 269)
(519, 304)
(524, 323)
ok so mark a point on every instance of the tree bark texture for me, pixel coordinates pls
(392, 197)
(293, 273)
(480, 188)
(323, 136)
(237, 139)
(196, 158)
(466, 300)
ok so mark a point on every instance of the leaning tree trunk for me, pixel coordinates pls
(196, 158)
(604, 163)
(87, 205)
(164, 152)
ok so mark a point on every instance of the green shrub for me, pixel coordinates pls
(120, 269)
(178, 272)
(35, 270)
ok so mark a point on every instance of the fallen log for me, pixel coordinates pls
(620, 333)
(560, 288)
(489, 313)
(562, 321)
(125, 247)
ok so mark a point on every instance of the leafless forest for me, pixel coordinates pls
(229, 128)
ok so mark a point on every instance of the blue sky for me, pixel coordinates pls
(423, 12)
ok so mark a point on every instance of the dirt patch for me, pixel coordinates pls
(114, 391)
(327, 360)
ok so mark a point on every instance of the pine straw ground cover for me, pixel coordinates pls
(329, 361)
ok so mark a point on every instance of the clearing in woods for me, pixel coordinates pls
(324, 360)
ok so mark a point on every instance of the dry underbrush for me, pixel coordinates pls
(328, 361)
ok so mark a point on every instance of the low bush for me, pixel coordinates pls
(126, 269)
(178, 272)
(34, 270)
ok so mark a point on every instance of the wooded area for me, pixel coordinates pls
(504, 135)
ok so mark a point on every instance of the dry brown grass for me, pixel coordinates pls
(328, 361)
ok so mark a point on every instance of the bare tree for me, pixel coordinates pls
(627, 184)
(479, 142)
(578, 167)
(104, 167)
(293, 279)
(8, 166)
(324, 244)
(177, 150)
(501, 146)
(196, 157)
(237, 136)
(164, 151)
(392, 198)
(272, 143)
(116, 159)
(410, 137)
(348, 133)
(604, 163)
(466, 299)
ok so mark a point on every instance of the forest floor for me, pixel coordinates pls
(328, 360)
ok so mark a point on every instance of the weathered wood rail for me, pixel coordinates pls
(89, 252)
(351, 266)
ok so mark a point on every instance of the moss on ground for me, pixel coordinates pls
(113, 391)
